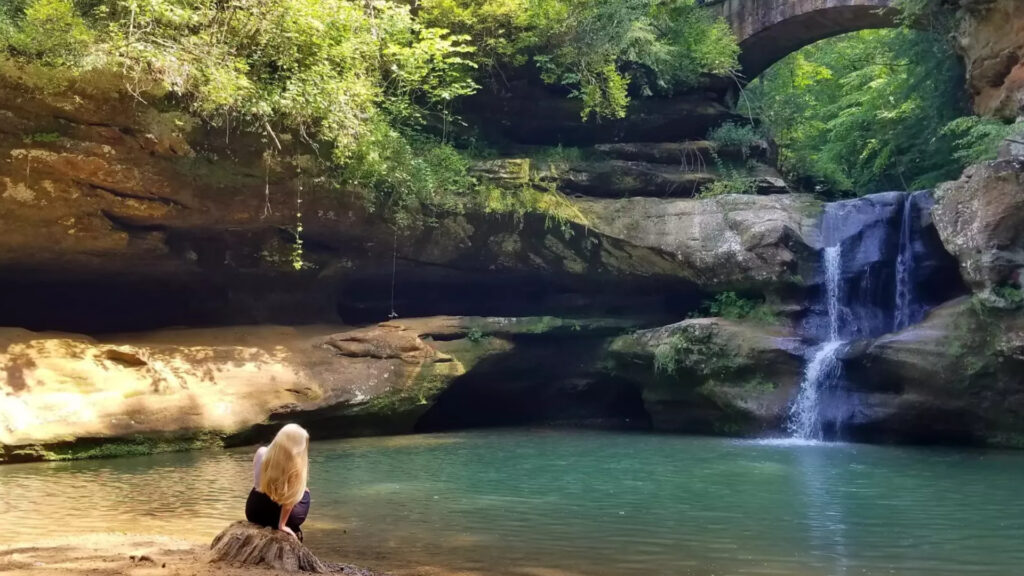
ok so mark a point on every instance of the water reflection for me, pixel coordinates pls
(601, 504)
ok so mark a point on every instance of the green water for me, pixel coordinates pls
(574, 503)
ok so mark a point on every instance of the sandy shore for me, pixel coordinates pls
(115, 554)
(119, 554)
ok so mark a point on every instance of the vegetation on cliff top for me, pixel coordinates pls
(371, 86)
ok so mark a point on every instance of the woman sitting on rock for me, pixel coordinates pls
(279, 498)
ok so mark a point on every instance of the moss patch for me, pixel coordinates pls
(89, 448)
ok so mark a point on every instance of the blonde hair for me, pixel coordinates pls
(285, 467)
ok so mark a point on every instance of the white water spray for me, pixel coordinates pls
(904, 269)
(805, 422)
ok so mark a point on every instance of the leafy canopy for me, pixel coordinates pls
(870, 111)
(371, 84)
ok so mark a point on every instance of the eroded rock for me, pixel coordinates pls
(712, 374)
(991, 40)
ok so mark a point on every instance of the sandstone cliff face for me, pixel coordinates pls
(991, 40)
(189, 384)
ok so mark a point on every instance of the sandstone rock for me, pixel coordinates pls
(251, 545)
(70, 396)
(619, 179)
(980, 218)
(991, 40)
(722, 243)
(713, 375)
(688, 153)
(55, 389)
(203, 236)
(958, 376)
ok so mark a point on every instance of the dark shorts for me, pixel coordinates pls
(260, 509)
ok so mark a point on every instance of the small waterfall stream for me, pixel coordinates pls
(904, 268)
(870, 270)
(823, 369)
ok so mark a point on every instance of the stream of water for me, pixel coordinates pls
(574, 503)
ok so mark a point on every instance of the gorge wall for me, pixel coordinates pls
(148, 286)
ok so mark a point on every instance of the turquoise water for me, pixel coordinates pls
(572, 503)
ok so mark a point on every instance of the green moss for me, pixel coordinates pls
(42, 137)
(89, 448)
(432, 379)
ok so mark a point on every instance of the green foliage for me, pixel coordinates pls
(399, 173)
(732, 136)
(977, 139)
(474, 335)
(50, 31)
(731, 306)
(599, 49)
(694, 349)
(42, 137)
(866, 111)
(1011, 295)
(730, 182)
(370, 86)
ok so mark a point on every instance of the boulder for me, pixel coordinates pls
(958, 376)
(247, 544)
(980, 218)
(713, 375)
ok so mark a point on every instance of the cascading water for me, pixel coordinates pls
(902, 317)
(879, 260)
(823, 369)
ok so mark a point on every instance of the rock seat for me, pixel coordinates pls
(249, 544)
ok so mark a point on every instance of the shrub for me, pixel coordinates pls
(731, 306)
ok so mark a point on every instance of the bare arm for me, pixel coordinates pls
(285, 512)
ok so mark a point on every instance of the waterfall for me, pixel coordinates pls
(883, 266)
(833, 277)
(902, 316)
(823, 369)
(821, 372)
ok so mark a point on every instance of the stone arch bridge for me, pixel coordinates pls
(768, 30)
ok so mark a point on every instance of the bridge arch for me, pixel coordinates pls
(768, 30)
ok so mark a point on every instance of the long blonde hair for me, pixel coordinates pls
(285, 467)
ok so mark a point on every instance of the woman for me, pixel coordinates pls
(279, 498)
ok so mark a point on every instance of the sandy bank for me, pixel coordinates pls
(119, 554)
